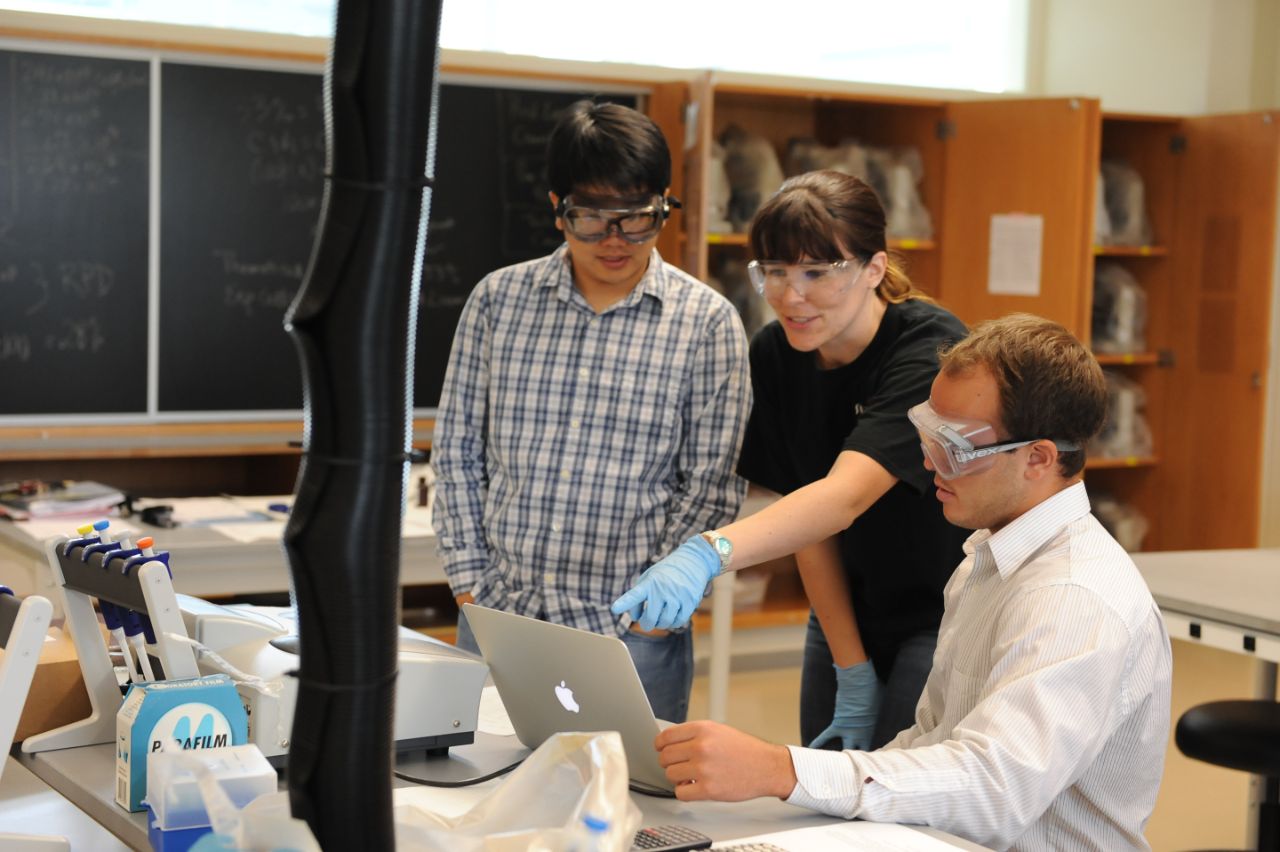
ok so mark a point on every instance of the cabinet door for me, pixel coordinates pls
(1035, 157)
(667, 103)
(1223, 279)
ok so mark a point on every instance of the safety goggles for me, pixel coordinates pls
(956, 446)
(633, 224)
(815, 280)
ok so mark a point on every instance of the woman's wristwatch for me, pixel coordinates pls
(722, 546)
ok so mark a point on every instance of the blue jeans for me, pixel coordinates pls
(664, 663)
(899, 694)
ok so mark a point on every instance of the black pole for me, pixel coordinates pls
(353, 323)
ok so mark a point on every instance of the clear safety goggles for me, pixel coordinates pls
(816, 280)
(958, 447)
(633, 224)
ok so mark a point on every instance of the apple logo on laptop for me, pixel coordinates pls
(565, 695)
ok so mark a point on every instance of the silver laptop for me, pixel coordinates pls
(554, 678)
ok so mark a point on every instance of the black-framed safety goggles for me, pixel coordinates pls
(633, 224)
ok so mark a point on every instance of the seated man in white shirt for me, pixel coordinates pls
(1044, 720)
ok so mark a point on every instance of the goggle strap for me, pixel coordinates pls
(669, 203)
(967, 455)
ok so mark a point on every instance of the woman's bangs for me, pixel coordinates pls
(790, 232)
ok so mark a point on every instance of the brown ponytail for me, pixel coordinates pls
(896, 287)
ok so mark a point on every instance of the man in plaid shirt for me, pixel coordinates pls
(593, 407)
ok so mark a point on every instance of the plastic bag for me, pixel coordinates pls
(809, 155)
(718, 192)
(730, 277)
(1126, 524)
(540, 807)
(1126, 205)
(1119, 310)
(895, 174)
(1101, 218)
(753, 170)
(263, 825)
(1125, 432)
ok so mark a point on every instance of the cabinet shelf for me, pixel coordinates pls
(716, 239)
(1127, 359)
(1130, 251)
(726, 239)
(164, 440)
(1121, 462)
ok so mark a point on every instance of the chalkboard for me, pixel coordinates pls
(233, 215)
(241, 179)
(242, 156)
(489, 209)
(74, 137)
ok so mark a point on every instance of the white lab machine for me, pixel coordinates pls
(437, 687)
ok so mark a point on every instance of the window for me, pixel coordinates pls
(295, 17)
(978, 45)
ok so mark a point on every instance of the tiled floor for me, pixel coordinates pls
(764, 702)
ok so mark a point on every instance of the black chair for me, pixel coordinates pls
(1242, 735)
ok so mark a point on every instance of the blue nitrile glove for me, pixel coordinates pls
(666, 595)
(857, 705)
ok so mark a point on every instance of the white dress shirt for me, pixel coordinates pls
(1044, 721)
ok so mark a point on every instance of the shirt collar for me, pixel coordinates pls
(1016, 543)
(559, 274)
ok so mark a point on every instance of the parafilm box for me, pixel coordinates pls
(200, 712)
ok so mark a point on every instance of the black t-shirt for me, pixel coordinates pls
(898, 554)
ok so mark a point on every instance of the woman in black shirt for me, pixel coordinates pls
(854, 347)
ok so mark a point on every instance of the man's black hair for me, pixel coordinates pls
(607, 146)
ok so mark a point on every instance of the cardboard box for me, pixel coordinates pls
(199, 712)
(57, 696)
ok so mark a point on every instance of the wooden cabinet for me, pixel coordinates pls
(1210, 185)
(1150, 146)
(780, 115)
(665, 104)
(1211, 192)
(980, 158)
(1034, 157)
(1207, 273)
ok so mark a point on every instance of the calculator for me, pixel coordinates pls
(669, 838)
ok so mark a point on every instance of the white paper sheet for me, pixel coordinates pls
(262, 505)
(1013, 267)
(883, 837)
(40, 529)
(208, 511)
(417, 521)
(249, 532)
